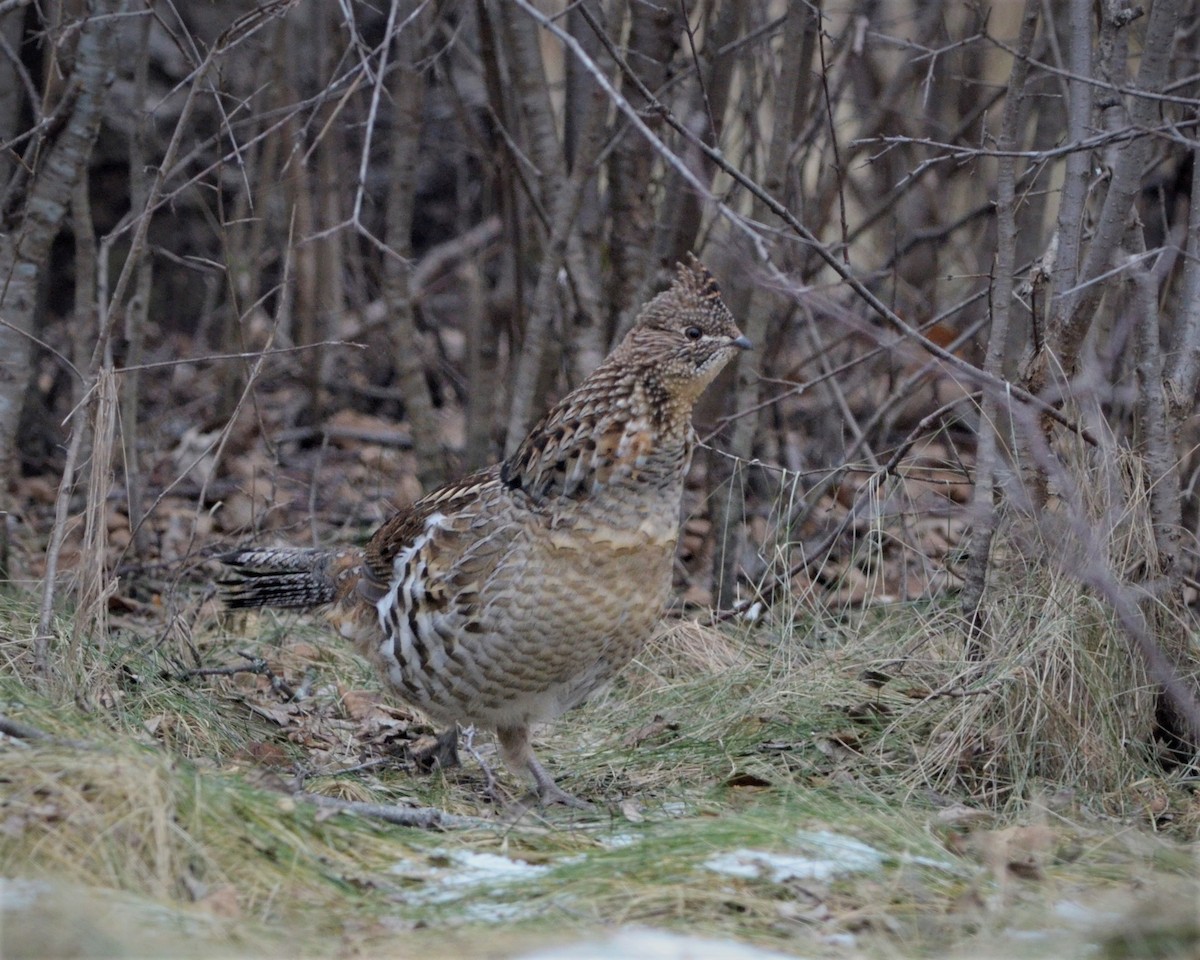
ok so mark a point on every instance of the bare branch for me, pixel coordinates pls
(992, 412)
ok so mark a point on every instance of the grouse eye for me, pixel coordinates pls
(693, 333)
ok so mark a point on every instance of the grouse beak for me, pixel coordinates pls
(743, 343)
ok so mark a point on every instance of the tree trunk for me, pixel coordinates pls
(408, 93)
(28, 232)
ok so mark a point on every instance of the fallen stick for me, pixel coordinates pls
(426, 818)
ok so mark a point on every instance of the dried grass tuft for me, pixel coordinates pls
(696, 648)
(102, 817)
(1061, 699)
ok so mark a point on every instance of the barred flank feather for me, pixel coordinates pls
(279, 578)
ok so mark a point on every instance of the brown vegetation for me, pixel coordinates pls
(274, 269)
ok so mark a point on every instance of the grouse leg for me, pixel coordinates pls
(517, 752)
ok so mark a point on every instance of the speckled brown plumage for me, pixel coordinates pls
(510, 596)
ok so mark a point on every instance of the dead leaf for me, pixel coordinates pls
(744, 778)
(428, 753)
(282, 714)
(264, 754)
(1019, 851)
(306, 651)
(849, 739)
(359, 704)
(648, 731)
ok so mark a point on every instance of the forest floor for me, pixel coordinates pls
(756, 784)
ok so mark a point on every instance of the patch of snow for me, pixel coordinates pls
(468, 872)
(656, 945)
(828, 855)
(464, 870)
(617, 841)
(823, 855)
(779, 867)
(854, 855)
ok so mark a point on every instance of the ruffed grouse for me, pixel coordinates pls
(509, 597)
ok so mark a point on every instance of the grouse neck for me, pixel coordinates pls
(637, 391)
(618, 428)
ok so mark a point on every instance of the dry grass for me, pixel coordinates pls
(1055, 712)
(1059, 698)
(177, 814)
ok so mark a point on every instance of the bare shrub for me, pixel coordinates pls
(332, 254)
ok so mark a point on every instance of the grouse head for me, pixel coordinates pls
(684, 336)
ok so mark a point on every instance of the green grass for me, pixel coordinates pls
(167, 825)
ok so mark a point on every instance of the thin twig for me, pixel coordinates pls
(22, 731)
(254, 664)
(813, 555)
(468, 744)
(25, 731)
(424, 818)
